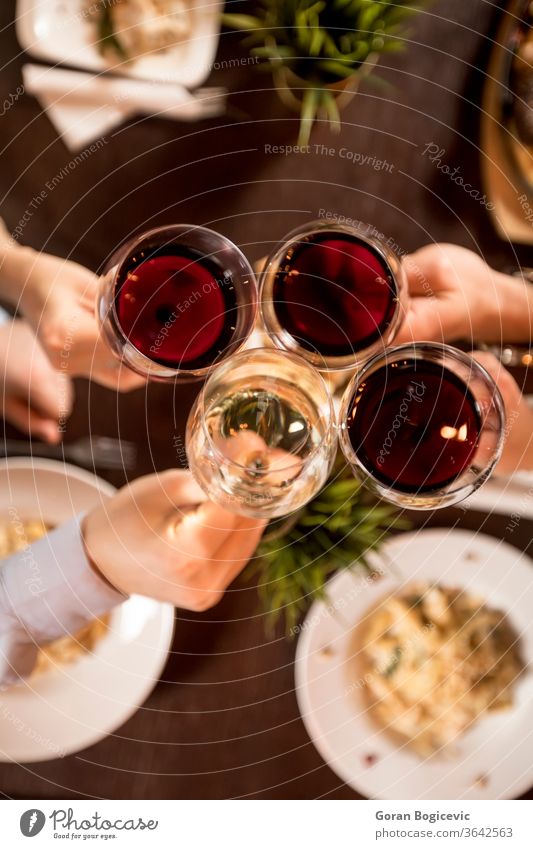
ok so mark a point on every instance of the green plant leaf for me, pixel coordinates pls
(308, 115)
(323, 42)
(242, 22)
(334, 531)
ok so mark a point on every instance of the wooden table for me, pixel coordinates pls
(224, 720)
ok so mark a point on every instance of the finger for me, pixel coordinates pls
(28, 420)
(88, 353)
(121, 380)
(511, 392)
(181, 488)
(128, 381)
(236, 551)
(91, 357)
(51, 394)
(283, 467)
(426, 320)
(242, 447)
(105, 368)
(201, 533)
(49, 391)
(231, 558)
(417, 268)
(171, 489)
(489, 361)
(495, 368)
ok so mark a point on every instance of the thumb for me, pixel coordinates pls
(169, 490)
(51, 395)
(31, 421)
(429, 320)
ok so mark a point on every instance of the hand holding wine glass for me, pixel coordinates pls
(58, 299)
(161, 538)
(454, 294)
(261, 436)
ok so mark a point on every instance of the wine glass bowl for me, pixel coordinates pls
(261, 437)
(422, 425)
(333, 293)
(176, 300)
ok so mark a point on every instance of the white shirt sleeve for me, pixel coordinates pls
(46, 591)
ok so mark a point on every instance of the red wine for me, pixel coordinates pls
(334, 294)
(176, 306)
(414, 425)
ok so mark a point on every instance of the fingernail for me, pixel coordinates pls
(50, 432)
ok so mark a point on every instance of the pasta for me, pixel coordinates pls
(15, 535)
(136, 28)
(434, 661)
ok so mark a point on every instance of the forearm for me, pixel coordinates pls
(46, 591)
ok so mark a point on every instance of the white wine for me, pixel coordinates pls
(280, 415)
(262, 445)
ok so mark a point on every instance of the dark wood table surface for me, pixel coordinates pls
(223, 722)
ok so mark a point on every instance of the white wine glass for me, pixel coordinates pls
(261, 437)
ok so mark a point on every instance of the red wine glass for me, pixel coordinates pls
(422, 425)
(333, 293)
(176, 300)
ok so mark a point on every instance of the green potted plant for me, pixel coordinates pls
(318, 50)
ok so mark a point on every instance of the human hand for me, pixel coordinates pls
(160, 537)
(35, 397)
(58, 298)
(518, 445)
(454, 295)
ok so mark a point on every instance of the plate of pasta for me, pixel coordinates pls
(168, 41)
(414, 682)
(85, 685)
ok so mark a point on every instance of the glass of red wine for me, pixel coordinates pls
(333, 293)
(422, 425)
(176, 300)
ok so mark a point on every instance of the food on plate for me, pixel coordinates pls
(435, 660)
(70, 648)
(134, 28)
(16, 535)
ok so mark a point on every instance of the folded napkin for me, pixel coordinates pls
(85, 106)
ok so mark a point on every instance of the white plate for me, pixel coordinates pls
(498, 748)
(59, 32)
(70, 707)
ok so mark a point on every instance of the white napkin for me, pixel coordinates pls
(85, 106)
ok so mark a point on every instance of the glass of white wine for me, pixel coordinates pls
(261, 437)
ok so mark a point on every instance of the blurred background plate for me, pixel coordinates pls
(60, 32)
(72, 706)
(494, 757)
(506, 162)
